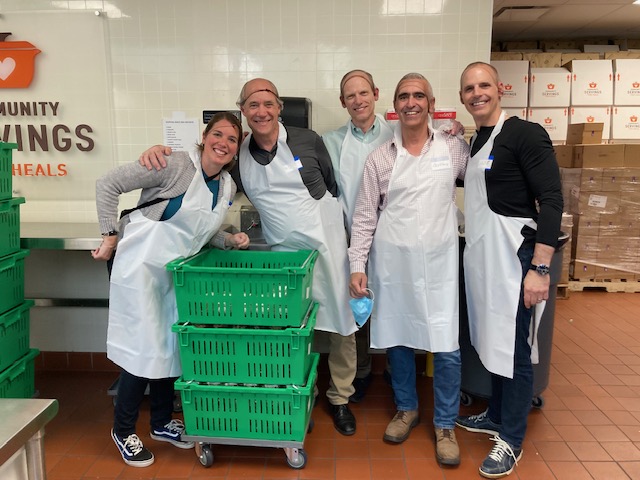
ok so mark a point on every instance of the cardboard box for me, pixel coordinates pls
(615, 55)
(601, 49)
(587, 248)
(516, 112)
(626, 81)
(543, 60)
(559, 44)
(495, 56)
(583, 270)
(584, 133)
(598, 156)
(567, 57)
(564, 155)
(625, 123)
(632, 155)
(591, 82)
(549, 87)
(590, 180)
(514, 75)
(591, 203)
(613, 179)
(520, 45)
(554, 121)
(592, 115)
(588, 226)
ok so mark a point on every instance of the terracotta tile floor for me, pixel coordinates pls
(588, 428)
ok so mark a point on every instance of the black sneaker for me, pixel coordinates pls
(501, 461)
(361, 386)
(172, 433)
(132, 450)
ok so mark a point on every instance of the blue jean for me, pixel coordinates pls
(130, 395)
(510, 400)
(446, 383)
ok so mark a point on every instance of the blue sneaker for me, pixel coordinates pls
(501, 461)
(132, 450)
(480, 423)
(172, 433)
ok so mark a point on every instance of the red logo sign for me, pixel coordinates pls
(593, 84)
(636, 84)
(17, 63)
(590, 119)
(548, 120)
(633, 118)
(550, 86)
(508, 86)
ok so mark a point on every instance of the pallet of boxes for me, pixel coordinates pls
(16, 358)
(245, 332)
(601, 188)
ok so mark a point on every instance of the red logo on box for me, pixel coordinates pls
(593, 85)
(548, 120)
(508, 86)
(550, 86)
(633, 118)
(636, 84)
(590, 119)
(17, 63)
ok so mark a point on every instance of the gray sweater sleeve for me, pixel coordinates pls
(166, 183)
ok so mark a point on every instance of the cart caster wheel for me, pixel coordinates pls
(299, 460)
(465, 399)
(537, 402)
(206, 456)
(311, 425)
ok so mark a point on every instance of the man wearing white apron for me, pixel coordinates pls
(287, 175)
(405, 225)
(142, 304)
(513, 209)
(349, 147)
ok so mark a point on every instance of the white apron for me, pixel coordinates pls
(353, 155)
(142, 303)
(293, 220)
(414, 256)
(493, 272)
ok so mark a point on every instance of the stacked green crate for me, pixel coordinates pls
(245, 330)
(16, 358)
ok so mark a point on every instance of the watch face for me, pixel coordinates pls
(542, 269)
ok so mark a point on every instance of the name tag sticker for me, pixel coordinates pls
(297, 162)
(440, 164)
(485, 164)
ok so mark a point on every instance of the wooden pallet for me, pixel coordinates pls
(627, 286)
(562, 293)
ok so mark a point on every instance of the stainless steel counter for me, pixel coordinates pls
(60, 236)
(22, 425)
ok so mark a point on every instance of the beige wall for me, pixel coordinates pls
(166, 56)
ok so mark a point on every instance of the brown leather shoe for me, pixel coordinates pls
(447, 451)
(399, 428)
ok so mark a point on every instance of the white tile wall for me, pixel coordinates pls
(168, 56)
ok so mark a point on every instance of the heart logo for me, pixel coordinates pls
(551, 86)
(7, 66)
(508, 87)
(548, 120)
(593, 85)
(636, 84)
(590, 119)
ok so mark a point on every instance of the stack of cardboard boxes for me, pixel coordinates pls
(558, 89)
(601, 189)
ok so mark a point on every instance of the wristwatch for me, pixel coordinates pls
(112, 233)
(542, 269)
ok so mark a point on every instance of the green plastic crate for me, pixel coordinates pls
(6, 170)
(14, 334)
(10, 226)
(12, 280)
(243, 355)
(254, 413)
(18, 381)
(234, 287)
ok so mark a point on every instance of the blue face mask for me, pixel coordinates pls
(362, 308)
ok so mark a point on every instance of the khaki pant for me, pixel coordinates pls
(342, 365)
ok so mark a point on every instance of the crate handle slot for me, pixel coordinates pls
(7, 264)
(17, 371)
(12, 319)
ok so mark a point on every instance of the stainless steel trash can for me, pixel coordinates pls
(476, 380)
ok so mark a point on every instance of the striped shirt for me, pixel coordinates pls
(372, 197)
